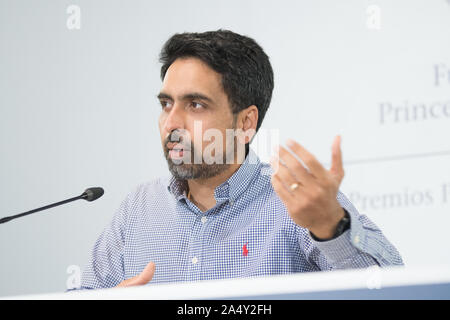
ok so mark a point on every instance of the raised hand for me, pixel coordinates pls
(309, 194)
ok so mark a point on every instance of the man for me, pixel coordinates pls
(223, 213)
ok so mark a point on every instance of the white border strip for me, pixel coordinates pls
(370, 278)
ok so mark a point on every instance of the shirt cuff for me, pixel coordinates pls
(338, 249)
(350, 249)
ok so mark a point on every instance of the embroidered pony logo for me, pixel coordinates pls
(245, 250)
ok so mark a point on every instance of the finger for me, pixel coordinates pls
(337, 168)
(281, 189)
(295, 167)
(308, 158)
(284, 174)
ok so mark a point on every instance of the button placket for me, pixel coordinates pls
(194, 254)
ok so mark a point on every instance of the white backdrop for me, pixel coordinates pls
(78, 109)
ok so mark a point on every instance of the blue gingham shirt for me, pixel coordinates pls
(247, 233)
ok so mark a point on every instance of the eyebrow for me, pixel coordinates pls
(188, 96)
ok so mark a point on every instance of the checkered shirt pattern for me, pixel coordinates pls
(248, 233)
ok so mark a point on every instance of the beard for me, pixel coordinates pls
(184, 170)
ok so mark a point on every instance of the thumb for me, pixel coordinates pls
(147, 274)
(143, 278)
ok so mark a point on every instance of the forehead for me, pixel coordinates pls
(192, 75)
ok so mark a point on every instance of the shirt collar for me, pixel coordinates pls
(232, 188)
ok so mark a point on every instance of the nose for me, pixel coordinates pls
(174, 119)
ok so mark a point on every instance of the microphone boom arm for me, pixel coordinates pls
(89, 195)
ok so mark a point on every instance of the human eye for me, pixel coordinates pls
(164, 103)
(197, 105)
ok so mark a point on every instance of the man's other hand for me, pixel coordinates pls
(143, 278)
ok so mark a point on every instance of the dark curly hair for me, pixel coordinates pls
(247, 76)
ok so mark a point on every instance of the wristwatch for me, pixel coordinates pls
(342, 226)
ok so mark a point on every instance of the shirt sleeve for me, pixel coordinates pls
(105, 268)
(362, 245)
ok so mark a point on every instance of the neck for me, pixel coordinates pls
(201, 191)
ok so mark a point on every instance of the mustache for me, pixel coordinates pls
(169, 144)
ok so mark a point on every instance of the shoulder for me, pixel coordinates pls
(144, 194)
(150, 189)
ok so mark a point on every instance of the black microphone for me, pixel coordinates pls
(89, 194)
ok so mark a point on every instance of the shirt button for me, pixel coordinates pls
(204, 219)
(194, 260)
(356, 239)
(231, 202)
